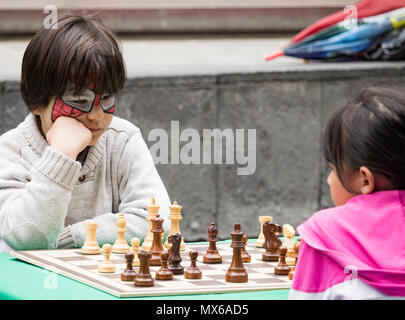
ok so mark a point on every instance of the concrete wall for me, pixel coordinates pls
(287, 108)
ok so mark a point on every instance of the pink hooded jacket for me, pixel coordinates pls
(354, 251)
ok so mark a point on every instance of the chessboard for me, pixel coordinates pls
(73, 264)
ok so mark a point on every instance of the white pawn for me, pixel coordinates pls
(135, 242)
(120, 245)
(106, 266)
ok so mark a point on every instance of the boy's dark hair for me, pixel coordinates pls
(368, 131)
(79, 52)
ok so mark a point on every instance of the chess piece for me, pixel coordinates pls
(120, 245)
(212, 255)
(193, 272)
(129, 273)
(144, 278)
(260, 239)
(90, 246)
(244, 254)
(236, 272)
(157, 245)
(296, 252)
(282, 268)
(164, 273)
(288, 242)
(135, 242)
(175, 217)
(174, 254)
(153, 210)
(271, 242)
(106, 266)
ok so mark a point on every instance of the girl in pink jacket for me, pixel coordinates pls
(356, 250)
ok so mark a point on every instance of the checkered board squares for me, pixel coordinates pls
(80, 267)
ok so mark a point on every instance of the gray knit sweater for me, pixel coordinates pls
(45, 197)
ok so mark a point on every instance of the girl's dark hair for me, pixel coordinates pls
(368, 131)
(79, 52)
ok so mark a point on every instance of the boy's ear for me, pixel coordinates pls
(366, 180)
(39, 110)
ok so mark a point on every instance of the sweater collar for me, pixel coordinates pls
(38, 143)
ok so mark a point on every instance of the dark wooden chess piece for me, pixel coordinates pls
(282, 268)
(174, 254)
(144, 278)
(271, 241)
(129, 273)
(296, 252)
(244, 254)
(236, 272)
(164, 272)
(212, 255)
(157, 245)
(193, 272)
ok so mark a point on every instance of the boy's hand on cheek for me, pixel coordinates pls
(68, 136)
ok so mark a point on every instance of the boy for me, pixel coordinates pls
(71, 159)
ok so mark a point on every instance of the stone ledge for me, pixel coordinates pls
(178, 16)
(308, 72)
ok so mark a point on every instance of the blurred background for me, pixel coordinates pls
(201, 63)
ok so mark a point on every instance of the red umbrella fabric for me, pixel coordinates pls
(365, 8)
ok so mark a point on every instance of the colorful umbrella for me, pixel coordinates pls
(347, 43)
(369, 11)
(342, 26)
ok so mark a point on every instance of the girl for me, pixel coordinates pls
(71, 159)
(356, 250)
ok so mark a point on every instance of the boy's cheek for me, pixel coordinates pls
(61, 109)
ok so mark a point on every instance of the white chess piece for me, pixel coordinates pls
(106, 266)
(135, 242)
(288, 242)
(120, 245)
(175, 217)
(153, 210)
(90, 246)
(260, 239)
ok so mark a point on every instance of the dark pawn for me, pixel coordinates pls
(144, 278)
(282, 268)
(212, 255)
(129, 273)
(193, 272)
(164, 272)
(174, 254)
(271, 242)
